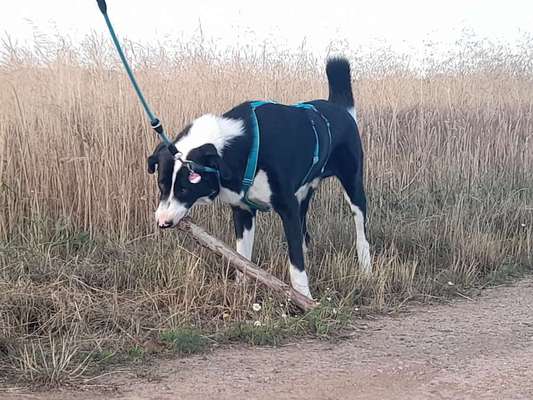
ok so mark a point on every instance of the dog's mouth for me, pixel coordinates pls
(167, 225)
(170, 223)
(169, 217)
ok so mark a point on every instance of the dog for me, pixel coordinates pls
(263, 155)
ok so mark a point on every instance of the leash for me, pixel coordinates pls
(154, 121)
(193, 167)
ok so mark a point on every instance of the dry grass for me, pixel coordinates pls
(84, 274)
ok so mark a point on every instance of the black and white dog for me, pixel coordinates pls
(285, 174)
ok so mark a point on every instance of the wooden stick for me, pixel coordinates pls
(243, 265)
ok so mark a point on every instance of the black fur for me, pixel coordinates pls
(339, 79)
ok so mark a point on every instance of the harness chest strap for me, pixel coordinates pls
(251, 164)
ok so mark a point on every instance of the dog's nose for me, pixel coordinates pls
(166, 224)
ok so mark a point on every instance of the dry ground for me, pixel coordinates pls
(471, 349)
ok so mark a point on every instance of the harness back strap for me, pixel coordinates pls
(316, 153)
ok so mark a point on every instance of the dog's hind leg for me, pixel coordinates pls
(244, 222)
(292, 225)
(355, 196)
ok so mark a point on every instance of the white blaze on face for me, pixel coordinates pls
(170, 211)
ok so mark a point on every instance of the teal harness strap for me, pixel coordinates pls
(251, 165)
(316, 153)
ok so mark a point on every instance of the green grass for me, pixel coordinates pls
(324, 321)
(186, 341)
(136, 353)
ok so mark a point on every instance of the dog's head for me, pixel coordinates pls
(181, 186)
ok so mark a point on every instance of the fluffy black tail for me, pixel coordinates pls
(340, 82)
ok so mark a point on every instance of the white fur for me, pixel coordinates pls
(230, 197)
(299, 281)
(245, 248)
(260, 190)
(246, 244)
(353, 113)
(302, 191)
(203, 201)
(213, 129)
(170, 211)
(363, 248)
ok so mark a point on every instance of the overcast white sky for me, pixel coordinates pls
(401, 24)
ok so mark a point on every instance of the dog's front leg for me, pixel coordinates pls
(304, 206)
(244, 222)
(292, 224)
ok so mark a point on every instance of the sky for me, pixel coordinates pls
(403, 25)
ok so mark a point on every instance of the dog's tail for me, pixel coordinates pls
(340, 83)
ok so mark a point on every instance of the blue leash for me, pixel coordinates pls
(154, 121)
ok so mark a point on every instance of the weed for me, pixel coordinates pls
(186, 341)
(136, 353)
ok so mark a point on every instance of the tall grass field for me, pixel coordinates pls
(87, 279)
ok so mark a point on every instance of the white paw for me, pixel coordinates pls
(299, 281)
(303, 290)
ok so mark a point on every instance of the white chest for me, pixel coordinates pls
(259, 192)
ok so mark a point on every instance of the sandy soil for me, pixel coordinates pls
(470, 349)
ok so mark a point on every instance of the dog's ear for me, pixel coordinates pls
(213, 159)
(153, 161)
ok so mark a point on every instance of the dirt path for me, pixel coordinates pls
(481, 349)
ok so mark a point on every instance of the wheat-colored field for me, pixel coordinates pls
(85, 276)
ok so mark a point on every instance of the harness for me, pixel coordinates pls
(251, 165)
